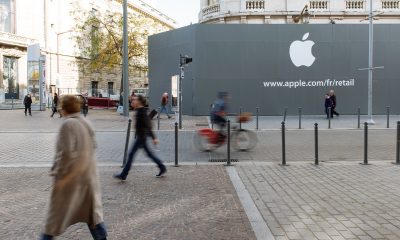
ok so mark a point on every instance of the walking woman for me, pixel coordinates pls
(76, 193)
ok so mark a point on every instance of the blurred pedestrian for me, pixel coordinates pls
(328, 105)
(164, 104)
(28, 103)
(55, 105)
(333, 99)
(76, 193)
(143, 130)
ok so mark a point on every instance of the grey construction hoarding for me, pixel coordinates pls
(278, 66)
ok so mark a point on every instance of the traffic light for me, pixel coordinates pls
(186, 60)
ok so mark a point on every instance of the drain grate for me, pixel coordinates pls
(222, 160)
(201, 124)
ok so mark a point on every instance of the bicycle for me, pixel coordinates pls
(207, 139)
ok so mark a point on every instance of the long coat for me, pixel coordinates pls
(76, 193)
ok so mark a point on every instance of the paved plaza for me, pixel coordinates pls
(255, 199)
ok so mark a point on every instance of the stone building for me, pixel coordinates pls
(50, 24)
(287, 11)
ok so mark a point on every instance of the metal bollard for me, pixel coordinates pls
(300, 117)
(228, 161)
(257, 112)
(316, 143)
(12, 103)
(329, 117)
(387, 116)
(284, 114)
(358, 112)
(158, 118)
(283, 146)
(176, 145)
(398, 144)
(240, 115)
(128, 133)
(365, 144)
(212, 123)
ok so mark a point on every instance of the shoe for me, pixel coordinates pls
(163, 170)
(119, 177)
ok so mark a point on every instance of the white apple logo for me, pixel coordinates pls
(300, 52)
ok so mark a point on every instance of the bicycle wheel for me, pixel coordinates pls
(244, 140)
(202, 143)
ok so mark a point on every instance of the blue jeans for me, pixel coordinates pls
(164, 109)
(140, 143)
(98, 233)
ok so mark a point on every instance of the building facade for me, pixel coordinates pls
(288, 11)
(50, 24)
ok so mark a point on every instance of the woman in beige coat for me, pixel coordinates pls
(76, 193)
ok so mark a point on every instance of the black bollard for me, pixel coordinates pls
(228, 160)
(158, 118)
(284, 114)
(299, 117)
(283, 145)
(257, 112)
(176, 145)
(128, 133)
(398, 144)
(329, 117)
(316, 142)
(365, 144)
(212, 123)
(387, 116)
(358, 112)
(240, 115)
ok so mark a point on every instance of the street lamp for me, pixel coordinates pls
(304, 15)
(183, 61)
(371, 67)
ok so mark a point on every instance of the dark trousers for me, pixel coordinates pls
(98, 233)
(140, 143)
(333, 111)
(28, 107)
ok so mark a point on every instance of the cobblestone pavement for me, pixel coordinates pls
(191, 202)
(330, 201)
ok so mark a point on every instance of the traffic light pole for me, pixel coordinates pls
(181, 75)
(183, 60)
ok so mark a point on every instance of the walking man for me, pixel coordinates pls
(55, 104)
(333, 99)
(164, 104)
(76, 195)
(28, 103)
(143, 130)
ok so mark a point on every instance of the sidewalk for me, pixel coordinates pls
(191, 202)
(331, 201)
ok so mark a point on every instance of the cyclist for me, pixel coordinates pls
(218, 113)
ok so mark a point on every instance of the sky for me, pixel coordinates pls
(182, 11)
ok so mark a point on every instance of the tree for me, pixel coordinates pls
(99, 39)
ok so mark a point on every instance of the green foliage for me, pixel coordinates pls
(99, 39)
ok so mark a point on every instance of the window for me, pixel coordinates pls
(95, 88)
(10, 77)
(110, 88)
(7, 16)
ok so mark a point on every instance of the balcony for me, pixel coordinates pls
(355, 5)
(15, 40)
(210, 10)
(390, 4)
(255, 5)
(318, 5)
